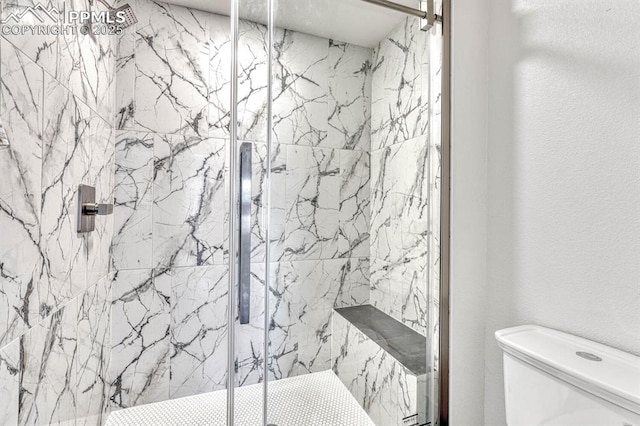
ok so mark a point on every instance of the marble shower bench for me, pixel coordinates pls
(383, 364)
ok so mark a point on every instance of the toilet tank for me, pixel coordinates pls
(554, 378)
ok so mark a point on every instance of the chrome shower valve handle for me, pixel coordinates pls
(88, 209)
(93, 209)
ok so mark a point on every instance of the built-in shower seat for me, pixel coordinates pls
(382, 362)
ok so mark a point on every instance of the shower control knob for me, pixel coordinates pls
(88, 209)
(92, 209)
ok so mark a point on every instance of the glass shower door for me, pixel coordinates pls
(334, 225)
(354, 215)
(249, 163)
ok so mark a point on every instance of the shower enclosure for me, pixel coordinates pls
(273, 169)
(345, 141)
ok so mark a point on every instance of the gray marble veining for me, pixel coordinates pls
(300, 89)
(10, 383)
(199, 330)
(93, 352)
(21, 105)
(140, 337)
(48, 392)
(349, 96)
(56, 106)
(402, 181)
(399, 102)
(171, 69)
(189, 201)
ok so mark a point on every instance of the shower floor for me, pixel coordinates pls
(318, 399)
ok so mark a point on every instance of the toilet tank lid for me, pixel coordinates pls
(598, 369)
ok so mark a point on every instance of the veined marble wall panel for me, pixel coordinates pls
(132, 244)
(401, 191)
(189, 201)
(399, 95)
(171, 69)
(57, 107)
(349, 99)
(94, 352)
(400, 231)
(21, 109)
(48, 379)
(10, 382)
(82, 64)
(140, 337)
(300, 89)
(199, 330)
(302, 297)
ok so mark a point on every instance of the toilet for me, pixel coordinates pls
(554, 378)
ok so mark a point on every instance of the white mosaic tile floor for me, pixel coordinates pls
(317, 399)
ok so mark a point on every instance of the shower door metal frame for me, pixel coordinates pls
(445, 220)
(232, 303)
(266, 210)
(426, 12)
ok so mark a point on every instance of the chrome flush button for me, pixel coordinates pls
(589, 356)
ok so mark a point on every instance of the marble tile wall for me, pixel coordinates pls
(56, 105)
(401, 190)
(170, 248)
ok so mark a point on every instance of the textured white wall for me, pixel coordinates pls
(556, 217)
(468, 209)
(563, 235)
